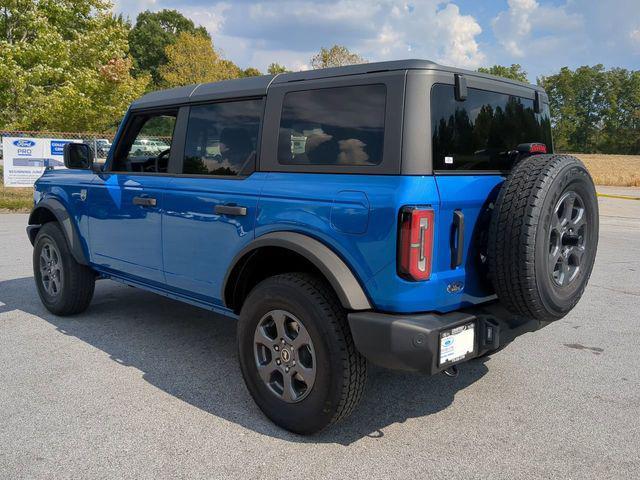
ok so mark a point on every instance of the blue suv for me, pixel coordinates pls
(403, 213)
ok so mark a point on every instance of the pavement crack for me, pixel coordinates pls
(577, 346)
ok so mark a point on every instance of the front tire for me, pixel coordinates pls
(65, 287)
(297, 354)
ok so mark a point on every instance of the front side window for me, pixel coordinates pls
(222, 138)
(479, 133)
(147, 145)
(333, 126)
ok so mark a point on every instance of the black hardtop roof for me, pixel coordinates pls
(258, 86)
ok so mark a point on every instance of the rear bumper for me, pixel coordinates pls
(412, 341)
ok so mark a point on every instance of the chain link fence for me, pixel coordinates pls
(143, 145)
(99, 142)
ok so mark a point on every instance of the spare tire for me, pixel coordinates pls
(543, 236)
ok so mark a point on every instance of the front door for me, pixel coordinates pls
(210, 208)
(127, 200)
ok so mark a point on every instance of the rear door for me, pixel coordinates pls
(126, 201)
(210, 207)
(471, 144)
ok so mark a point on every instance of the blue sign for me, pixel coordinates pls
(57, 147)
(24, 143)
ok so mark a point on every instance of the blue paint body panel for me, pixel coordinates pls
(181, 248)
(200, 244)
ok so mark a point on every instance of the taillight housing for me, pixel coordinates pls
(532, 148)
(415, 243)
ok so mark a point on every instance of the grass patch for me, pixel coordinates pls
(613, 170)
(15, 199)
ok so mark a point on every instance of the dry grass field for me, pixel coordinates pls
(614, 170)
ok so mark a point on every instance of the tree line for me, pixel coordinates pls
(71, 65)
(592, 109)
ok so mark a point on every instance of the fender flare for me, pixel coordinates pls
(335, 270)
(69, 229)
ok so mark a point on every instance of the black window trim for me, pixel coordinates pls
(183, 145)
(127, 132)
(479, 84)
(392, 146)
(382, 84)
(178, 141)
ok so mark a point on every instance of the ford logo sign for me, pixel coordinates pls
(24, 143)
(448, 342)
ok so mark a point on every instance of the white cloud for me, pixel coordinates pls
(513, 26)
(376, 29)
(212, 18)
(459, 31)
(526, 21)
(132, 8)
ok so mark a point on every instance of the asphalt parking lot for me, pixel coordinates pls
(141, 386)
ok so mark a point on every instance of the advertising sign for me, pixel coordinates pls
(26, 158)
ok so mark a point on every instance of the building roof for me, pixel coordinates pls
(258, 86)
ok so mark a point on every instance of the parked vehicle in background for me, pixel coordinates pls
(405, 213)
(148, 147)
(102, 147)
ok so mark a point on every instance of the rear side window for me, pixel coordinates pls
(222, 138)
(333, 126)
(478, 133)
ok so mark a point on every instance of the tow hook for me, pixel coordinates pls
(452, 371)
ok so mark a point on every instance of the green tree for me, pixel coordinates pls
(193, 59)
(336, 56)
(595, 110)
(64, 65)
(251, 72)
(275, 68)
(152, 34)
(514, 72)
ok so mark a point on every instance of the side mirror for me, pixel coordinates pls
(78, 156)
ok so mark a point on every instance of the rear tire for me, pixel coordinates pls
(65, 287)
(543, 236)
(334, 373)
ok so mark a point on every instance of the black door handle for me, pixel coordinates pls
(145, 201)
(457, 239)
(231, 210)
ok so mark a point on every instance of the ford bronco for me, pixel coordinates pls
(403, 213)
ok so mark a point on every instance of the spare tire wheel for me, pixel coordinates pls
(543, 236)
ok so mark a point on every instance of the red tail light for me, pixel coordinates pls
(415, 243)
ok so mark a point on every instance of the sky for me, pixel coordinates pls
(540, 35)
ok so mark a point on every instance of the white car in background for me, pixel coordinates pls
(148, 147)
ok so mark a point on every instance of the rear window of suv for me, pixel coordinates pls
(333, 126)
(477, 133)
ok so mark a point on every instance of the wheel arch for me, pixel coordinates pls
(301, 253)
(53, 210)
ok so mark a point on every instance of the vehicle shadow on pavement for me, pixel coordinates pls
(190, 353)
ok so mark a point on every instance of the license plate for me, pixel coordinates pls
(457, 343)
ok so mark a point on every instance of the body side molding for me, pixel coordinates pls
(61, 214)
(349, 291)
